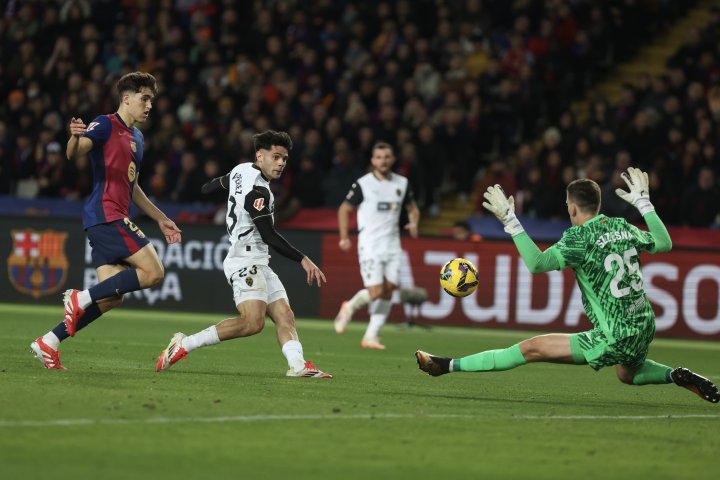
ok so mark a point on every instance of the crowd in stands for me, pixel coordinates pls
(461, 89)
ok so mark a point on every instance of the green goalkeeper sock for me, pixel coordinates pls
(652, 373)
(490, 361)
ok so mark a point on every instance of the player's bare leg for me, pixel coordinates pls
(147, 264)
(553, 347)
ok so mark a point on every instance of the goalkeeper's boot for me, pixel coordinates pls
(343, 317)
(700, 386)
(172, 353)
(48, 356)
(431, 364)
(73, 311)
(372, 344)
(308, 371)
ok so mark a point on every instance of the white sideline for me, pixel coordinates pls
(73, 422)
(70, 422)
(612, 417)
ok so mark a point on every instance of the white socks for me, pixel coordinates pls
(203, 338)
(84, 299)
(379, 309)
(51, 340)
(359, 300)
(294, 354)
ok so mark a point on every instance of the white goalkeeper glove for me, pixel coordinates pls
(639, 194)
(503, 208)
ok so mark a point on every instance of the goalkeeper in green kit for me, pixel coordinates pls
(604, 255)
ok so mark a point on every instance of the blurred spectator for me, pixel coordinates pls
(341, 176)
(306, 183)
(50, 176)
(190, 179)
(462, 231)
(455, 86)
(432, 158)
(701, 202)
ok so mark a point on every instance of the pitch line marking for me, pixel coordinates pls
(74, 422)
(70, 422)
(612, 417)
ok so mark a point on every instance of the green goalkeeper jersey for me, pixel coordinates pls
(604, 254)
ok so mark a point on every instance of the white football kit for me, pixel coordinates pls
(379, 203)
(246, 264)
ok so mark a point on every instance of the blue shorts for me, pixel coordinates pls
(113, 242)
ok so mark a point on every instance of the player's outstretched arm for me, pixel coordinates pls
(504, 209)
(77, 144)
(218, 183)
(170, 231)
(639, 197)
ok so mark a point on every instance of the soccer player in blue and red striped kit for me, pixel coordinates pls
(124, 259)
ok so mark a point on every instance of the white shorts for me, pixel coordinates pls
(257, 282)
(375, 267)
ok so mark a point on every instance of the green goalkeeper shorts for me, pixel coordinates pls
(592, 346)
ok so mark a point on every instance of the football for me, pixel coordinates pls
(458, 277)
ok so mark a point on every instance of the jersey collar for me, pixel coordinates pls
(261, 173)
(596, 218)
(382, 179)
(117, 115)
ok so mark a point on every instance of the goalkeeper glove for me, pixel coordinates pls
(503, 208)
(639, 194)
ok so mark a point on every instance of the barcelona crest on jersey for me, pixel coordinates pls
(37, 264)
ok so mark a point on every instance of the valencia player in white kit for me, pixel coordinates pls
(257, 290)
(379, 197)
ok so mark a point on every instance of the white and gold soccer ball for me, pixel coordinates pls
(459, 277)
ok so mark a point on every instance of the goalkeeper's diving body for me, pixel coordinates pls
(604, 255)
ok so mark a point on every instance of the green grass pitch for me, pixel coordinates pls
(228, 411)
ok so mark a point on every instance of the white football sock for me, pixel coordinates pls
(359, 300)
(293, 352)
(84, 299)
(203, 338)
(379, 309)
(51, 340)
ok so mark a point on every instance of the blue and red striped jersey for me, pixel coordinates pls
(115, 159)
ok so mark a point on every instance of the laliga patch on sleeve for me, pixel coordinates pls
(259, 204)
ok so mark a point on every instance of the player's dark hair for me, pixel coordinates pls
(268, 138)
(380, 145)
(585, 193)
(135, 81)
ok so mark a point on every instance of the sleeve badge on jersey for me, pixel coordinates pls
(259, 204)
